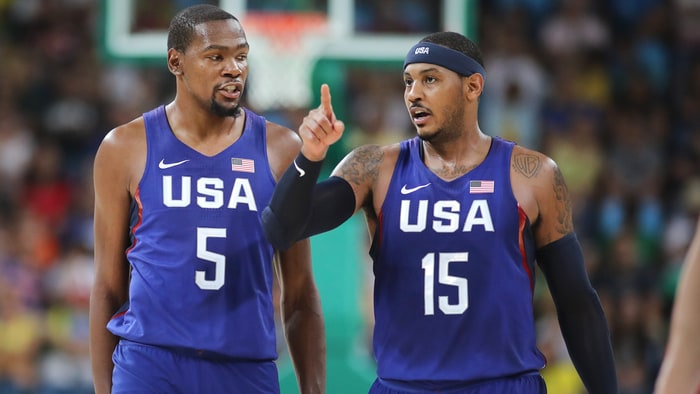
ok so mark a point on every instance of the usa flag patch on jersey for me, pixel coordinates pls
(242, 165)
(480, 187)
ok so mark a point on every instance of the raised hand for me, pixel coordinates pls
(320, 128)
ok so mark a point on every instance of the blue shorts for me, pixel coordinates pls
(148, 369)
(531, 383)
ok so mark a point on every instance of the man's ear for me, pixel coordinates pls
(473, 86)
(175, 61)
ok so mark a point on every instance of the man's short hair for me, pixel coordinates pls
(182, 25)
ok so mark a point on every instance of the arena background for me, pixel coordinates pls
(609, 89)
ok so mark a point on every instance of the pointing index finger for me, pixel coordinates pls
(326, 101)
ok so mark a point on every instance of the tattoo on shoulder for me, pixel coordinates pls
(564, 208)
(362, 164)
(527, 164)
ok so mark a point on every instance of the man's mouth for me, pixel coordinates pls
(232, 90)
(419, 115)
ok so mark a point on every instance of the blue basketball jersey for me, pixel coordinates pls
(201, 267)
(453, 265)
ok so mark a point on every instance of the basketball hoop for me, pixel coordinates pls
(283, 49)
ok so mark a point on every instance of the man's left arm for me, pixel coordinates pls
(581, 318)
(302, 317)
(560, 256)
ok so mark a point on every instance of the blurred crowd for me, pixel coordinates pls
(610, 89)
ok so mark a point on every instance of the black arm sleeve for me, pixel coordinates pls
(583, 323)
(300, 207)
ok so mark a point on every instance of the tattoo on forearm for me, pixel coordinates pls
(564, 219)
(362, 165)
(528, 165)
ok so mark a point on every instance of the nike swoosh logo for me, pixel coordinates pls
(163, 165)
(406, 190)
(299, 169)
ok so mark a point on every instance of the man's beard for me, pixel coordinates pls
(223, 112)
(449, 131)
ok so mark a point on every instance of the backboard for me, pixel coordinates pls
(282, 73)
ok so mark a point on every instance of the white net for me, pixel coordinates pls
(283, 50)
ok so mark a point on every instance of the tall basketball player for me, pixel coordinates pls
(457, 219)
(182, 300)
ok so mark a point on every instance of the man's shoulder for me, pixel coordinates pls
(530, 162)
(276, 128)
(370, 161)
(537, 183)
(375, 153)
(125, 137)
(384, 149)
(128, 130)
(281, 137)
(534, 171)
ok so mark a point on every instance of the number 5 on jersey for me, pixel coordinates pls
(219, 260)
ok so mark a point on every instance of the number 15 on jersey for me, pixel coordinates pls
(444, 278)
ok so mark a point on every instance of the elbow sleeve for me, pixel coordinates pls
(274, 230)
(580, 314)
(300, 207)
(285, 217)
(563, 266)
(333, 203)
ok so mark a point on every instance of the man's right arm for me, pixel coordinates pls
(110, 286)
(560, 256)
(299, 206)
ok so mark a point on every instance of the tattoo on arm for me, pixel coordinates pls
(564, 219)
(528, 165)
(362, 165)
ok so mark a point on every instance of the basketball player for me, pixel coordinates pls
(457, 220)
(680, 370)
(182, 301)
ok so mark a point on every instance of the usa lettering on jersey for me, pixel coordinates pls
(208, 193)
(445, 216)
